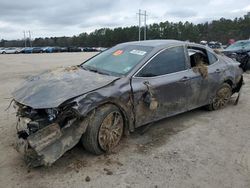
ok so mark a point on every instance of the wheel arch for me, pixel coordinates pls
(229, 81)
(124, 113)
(85, 108)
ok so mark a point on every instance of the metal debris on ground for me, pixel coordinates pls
(77, 165)
(108, 171)
(87, 179)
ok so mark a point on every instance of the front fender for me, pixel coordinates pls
(88, 102)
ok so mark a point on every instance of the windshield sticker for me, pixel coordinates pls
(118, 52)
(138, 52)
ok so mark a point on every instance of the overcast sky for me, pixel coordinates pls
(67, 18)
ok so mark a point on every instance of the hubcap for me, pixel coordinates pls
(110, 131)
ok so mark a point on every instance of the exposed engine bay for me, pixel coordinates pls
(41, 133)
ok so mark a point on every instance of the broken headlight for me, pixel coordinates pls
(52, 113)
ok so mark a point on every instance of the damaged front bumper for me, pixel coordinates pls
(36, 146)
(48, 144)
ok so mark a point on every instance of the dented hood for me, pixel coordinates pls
(52, 88)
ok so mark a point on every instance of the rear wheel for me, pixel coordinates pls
(105, 130)
(222, 97)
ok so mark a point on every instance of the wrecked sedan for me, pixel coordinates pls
(116, 91)
(240, 51)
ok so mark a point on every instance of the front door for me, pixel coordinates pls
(161, 88)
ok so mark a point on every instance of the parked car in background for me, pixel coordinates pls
(20, 50)
(51, 49)
(11, 50)
(1, 50)
(203, 42)
(63, 49)
(89, 49)
(37, 50)
(240, 51)
(116, 91)
(27, 50)
(101, 49)
(214, 45)
(74, 49)
(44, 49)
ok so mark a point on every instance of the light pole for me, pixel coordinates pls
(24, 39)
(145, 24)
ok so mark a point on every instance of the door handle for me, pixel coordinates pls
(218, 71)
(185, 78)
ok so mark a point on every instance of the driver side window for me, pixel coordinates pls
(168, 61)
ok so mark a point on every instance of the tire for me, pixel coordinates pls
(107, 125)
(222, 97)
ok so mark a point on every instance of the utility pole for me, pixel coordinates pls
(24, 39)
(30, 38)
(145, 24)
(139, 24)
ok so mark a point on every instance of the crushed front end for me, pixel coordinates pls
(44, 135)
(242, 56)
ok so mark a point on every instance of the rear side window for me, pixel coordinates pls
(169, 61)
(211, 57)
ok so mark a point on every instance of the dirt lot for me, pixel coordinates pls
(194, 149)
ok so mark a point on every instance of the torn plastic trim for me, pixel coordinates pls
(44, 146)
(149, 97)
(238, 85)
(237, 89)
(48, 144)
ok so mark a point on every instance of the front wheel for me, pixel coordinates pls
(105, 130)
(222, 97)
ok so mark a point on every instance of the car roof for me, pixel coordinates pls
(158, 44)
(155, 43)
(248, 40)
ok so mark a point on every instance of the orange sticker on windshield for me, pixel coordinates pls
(118, 52)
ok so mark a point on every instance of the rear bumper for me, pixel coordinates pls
(239, 85)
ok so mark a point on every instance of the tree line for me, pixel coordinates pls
(218, 30)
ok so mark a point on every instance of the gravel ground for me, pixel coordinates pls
(194, 149)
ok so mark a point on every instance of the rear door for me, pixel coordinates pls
(203, 87)
(199, 76)
(161, 87)
(216, 72)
